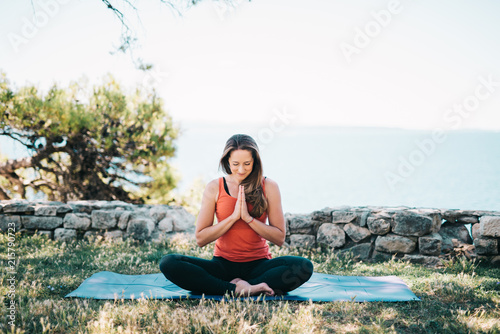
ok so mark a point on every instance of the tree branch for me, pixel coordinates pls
(11, 165)
(14, 179)
(11, 135)
(3, 194)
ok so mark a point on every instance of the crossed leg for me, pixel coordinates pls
(282, 274)
(271, 277)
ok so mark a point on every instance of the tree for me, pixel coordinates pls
(128, 39)
(97, 143)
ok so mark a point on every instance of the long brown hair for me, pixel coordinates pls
(254, 194)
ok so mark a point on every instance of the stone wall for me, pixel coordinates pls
(424, 236)
(370, 233)
(112, 220)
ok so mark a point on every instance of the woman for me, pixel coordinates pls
(242, 263)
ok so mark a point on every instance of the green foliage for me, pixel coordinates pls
(88, 143)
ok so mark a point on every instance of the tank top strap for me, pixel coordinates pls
(221, 186)
(225, 191)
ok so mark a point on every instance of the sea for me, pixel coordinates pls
(319, 167)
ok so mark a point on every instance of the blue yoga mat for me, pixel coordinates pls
(319, 288)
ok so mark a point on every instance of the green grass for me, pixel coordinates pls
(462, 297)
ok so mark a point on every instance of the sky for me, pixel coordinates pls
(407, 64)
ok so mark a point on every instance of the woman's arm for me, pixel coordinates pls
(275, 232)
(206, 231)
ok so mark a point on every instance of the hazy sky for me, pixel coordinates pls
(410, 64)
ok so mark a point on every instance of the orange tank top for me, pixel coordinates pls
(240, 243)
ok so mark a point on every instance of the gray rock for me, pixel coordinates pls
(360, 252)
(19, 206)
(490, 226)
(302, 241)
(393, 243)
(158, 212)
(166, 224)
(64, 234)
(475, 231)
(378, 225)
(364, 218)
(430, 244)
(45, 210)
(77, 221)
(486, 246)
(103, 219)
(381, 256)
(341, 208)
(425, 211)
(332, 235)
(411, 224)
(450, 231)
(467, 219)
(437, 221)
(382, 214)
(322, 216)
(182, 220)
(89, 206)
(482, 213)
(343, 217)
(123, 220)
(434, 214)
(10, 221)
(357, 233)
(390, 210)
(301, 224)
(63, 209)
(140, 228)
(41, 223)
(52, 209)
(451, 215)
(428, 261)
(84, 206)
(116, 235)
(288, 216)
(141, 212)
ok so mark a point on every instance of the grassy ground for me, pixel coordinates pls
(463, 297)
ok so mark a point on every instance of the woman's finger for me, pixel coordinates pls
(239, 193)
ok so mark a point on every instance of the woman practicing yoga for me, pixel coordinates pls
(242, 264)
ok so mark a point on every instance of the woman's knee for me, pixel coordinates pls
(302, 265)
(308, 266)
(169, 262)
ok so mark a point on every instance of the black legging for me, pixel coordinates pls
(212, 277)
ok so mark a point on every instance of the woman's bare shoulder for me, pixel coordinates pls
(212, 186)
(211, 192)
(271, 185)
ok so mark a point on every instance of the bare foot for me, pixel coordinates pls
(243, 288)
(236, 280)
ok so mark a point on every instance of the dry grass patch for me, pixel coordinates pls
(462, 297)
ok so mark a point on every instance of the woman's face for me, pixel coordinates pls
(241, 163)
